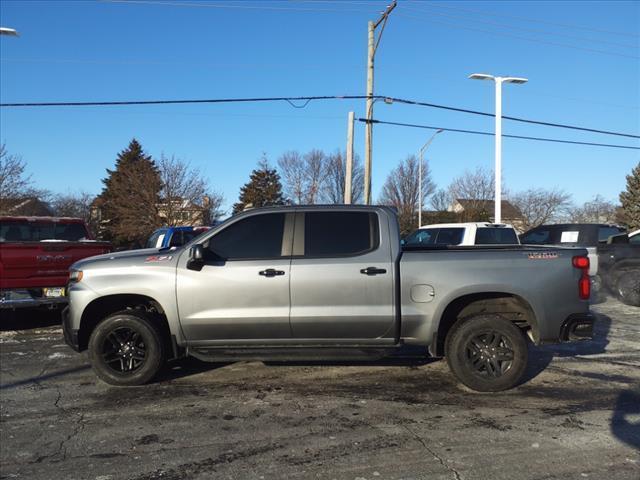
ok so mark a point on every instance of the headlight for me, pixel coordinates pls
(75, 276)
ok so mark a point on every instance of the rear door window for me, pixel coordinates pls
(450, 236)
(337, 234)
(496, 236)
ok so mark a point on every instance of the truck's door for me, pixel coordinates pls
(342, 278)
(242, 292)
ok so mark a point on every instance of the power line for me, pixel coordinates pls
(307, 100)
(527, 19)
(521, 137)
(510, 35)
(464, 17)
(515, 119)
(231, 6)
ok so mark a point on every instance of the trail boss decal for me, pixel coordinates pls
(158, 258)
(542, 256)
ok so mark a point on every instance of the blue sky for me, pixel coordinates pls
(581, 59)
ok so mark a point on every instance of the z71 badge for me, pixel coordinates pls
(542, 256)
(158, 258)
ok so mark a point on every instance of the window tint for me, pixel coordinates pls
(339, 233)
(24, 231)
(635, 240)
(496, 236)
(605, 232)
(259, 236)
(450, 236)
(537, 237)
(422, 237)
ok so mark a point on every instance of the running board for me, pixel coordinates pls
(302, 353)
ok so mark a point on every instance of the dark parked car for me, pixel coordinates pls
(614, 256)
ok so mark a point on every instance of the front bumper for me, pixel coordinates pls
(70, 335)
(577, 327)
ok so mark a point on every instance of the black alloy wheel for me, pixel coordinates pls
(489, 354)
(123, 350)
(127, 348)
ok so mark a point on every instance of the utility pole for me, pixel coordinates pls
(349, 167)
(368, 136)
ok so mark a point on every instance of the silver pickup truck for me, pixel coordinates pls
(325, 282)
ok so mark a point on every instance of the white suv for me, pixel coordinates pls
(441, 234)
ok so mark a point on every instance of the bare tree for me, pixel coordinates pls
(186, 191)
(335, 173)
(441, 200)
(291, 165)
(14, 182)
(598, 210)
(72, 205)
(477, 185)
(401, 190)
(303, 175)
(540, 206)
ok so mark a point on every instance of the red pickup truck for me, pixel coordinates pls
(35, 255)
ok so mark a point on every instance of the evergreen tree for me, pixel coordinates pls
(130, 197)
(630, 199)
(263, 189)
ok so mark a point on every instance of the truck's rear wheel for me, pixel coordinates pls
(487, 353)
(125, 349)
(627, 287)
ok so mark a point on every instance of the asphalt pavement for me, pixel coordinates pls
(577, 416)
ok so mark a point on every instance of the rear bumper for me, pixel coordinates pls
(29, 299)
(70, 335)
(577, 327)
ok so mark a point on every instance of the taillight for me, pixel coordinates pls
(584, 284)
(581, 262)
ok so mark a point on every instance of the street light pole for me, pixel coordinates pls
(498, 135)
(368, 132)
(422, 150)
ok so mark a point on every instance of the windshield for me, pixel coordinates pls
(26, 231)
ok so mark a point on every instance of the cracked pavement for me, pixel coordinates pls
(577, 416)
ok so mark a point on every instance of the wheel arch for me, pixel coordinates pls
(102, 307)
(511, 306)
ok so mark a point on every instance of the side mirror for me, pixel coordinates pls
(196, 258)
(403, 242)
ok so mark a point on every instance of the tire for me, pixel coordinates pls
(126, 349)
(487, 353)
(627, 287)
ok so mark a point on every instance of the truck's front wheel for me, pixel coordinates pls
(125, 349)
(487, 353)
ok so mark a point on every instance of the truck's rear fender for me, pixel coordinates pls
(509, 305)
(102, 307)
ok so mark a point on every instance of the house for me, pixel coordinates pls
(473, 210)
(25, 207)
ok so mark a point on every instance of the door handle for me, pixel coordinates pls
(372, 271)
(270, 272)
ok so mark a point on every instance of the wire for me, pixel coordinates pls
(515, 119)
(307, 100)
(510, 35)
(521, 137)
(464, 17)
(492, 14)
(228, 5)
